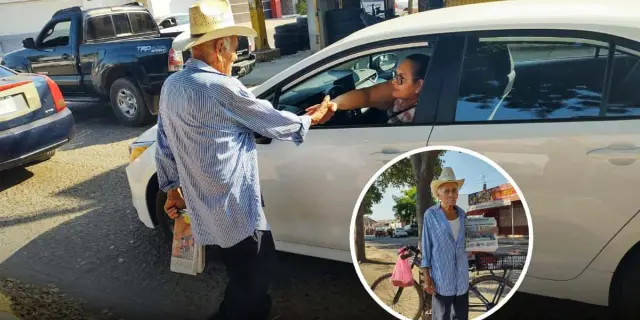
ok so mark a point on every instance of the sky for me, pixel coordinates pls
(464, 166)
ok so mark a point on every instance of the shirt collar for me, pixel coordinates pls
(201, 65)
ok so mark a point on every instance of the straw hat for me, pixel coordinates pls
(210, 20)
(446, 176)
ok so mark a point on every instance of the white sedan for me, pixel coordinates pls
(399, 232)
(548, 90)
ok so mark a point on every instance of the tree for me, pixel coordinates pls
(426, 166)
(373, 196)
(405, 207)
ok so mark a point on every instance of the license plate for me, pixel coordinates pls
(11, 104)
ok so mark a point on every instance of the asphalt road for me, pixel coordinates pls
(69, 222)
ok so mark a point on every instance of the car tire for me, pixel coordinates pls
(128, 103)
(164, 222)
(287, 28)
(625, 287)
(286, 42)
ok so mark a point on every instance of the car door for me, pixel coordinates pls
(55, 56)
(310, 190)
(566, 127)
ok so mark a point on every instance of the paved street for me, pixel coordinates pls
(69, 222)
(382, 253)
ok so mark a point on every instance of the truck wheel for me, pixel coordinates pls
(128, 103)
(625, 288)
(164, 222)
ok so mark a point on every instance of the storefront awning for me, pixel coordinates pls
(490, 204)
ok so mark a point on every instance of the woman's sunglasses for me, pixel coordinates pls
(400, 79)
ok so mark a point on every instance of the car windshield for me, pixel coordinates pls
(5, 72)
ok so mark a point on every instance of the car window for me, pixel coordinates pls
(354, 74)
(57, 35)
(142, 22)
(5, 73)
(100, 27)
(182, 19)
(624, 97)
(121, 23)
(530, 78)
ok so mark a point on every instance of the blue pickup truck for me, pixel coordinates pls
(112, 54)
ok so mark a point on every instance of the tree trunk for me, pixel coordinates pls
(359, 234)
(423, 167)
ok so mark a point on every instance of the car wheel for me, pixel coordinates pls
(164, 222)
(625, 287)
(128, 103)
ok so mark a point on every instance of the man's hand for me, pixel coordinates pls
(174, 203)
(429, 287)
(321, 113)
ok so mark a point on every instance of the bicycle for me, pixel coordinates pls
(422, 308)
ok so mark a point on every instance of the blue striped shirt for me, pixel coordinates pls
(445, 255)
(206, 146)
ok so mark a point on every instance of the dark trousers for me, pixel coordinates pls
(450, 307)
(250, 265)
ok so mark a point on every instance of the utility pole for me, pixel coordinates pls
(263, 50)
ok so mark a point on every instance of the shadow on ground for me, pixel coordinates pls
(110, 261)
(94, 117)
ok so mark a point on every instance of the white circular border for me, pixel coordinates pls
(446, 148)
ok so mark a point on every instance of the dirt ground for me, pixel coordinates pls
(382, 260)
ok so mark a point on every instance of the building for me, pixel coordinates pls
(503, 203)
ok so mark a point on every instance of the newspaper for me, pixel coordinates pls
(480, 236)
(186, 256)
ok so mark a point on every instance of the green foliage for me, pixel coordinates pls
(373, 196)
(405, 207)
(301, 7)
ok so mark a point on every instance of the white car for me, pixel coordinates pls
(548, 90)
(399, 232)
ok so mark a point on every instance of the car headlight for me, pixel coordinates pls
(137, 148)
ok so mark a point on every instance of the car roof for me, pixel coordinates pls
(616, 17)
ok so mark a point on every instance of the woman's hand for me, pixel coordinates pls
(429, 287)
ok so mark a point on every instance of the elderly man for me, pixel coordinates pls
(206, 155)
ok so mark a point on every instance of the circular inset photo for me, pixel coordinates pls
(441, 233)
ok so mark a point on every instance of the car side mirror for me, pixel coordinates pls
(385, 62)
(29, 43)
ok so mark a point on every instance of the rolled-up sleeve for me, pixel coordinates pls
(426, 242)
(261, 117)
(165, 162)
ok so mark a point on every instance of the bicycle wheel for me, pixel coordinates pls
(481, 287)
(407, 301)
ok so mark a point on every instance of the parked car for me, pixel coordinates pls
(172, 20)
(412, 230)
(381, 232)
(34, 119)
(399, 232)
(547, 91)
(114, 54)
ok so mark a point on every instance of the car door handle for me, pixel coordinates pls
(616, 152)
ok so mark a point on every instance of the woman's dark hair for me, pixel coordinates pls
(420, 63)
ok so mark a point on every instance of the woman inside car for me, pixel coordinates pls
(398, 96)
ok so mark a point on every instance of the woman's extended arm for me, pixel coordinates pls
(378, 96)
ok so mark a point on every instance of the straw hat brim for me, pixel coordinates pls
(184, 41)
(435, 184)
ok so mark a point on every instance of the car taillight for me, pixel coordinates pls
(58, 99)
(175, 60)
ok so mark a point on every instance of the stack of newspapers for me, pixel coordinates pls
(480, 234)
(186, 256)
